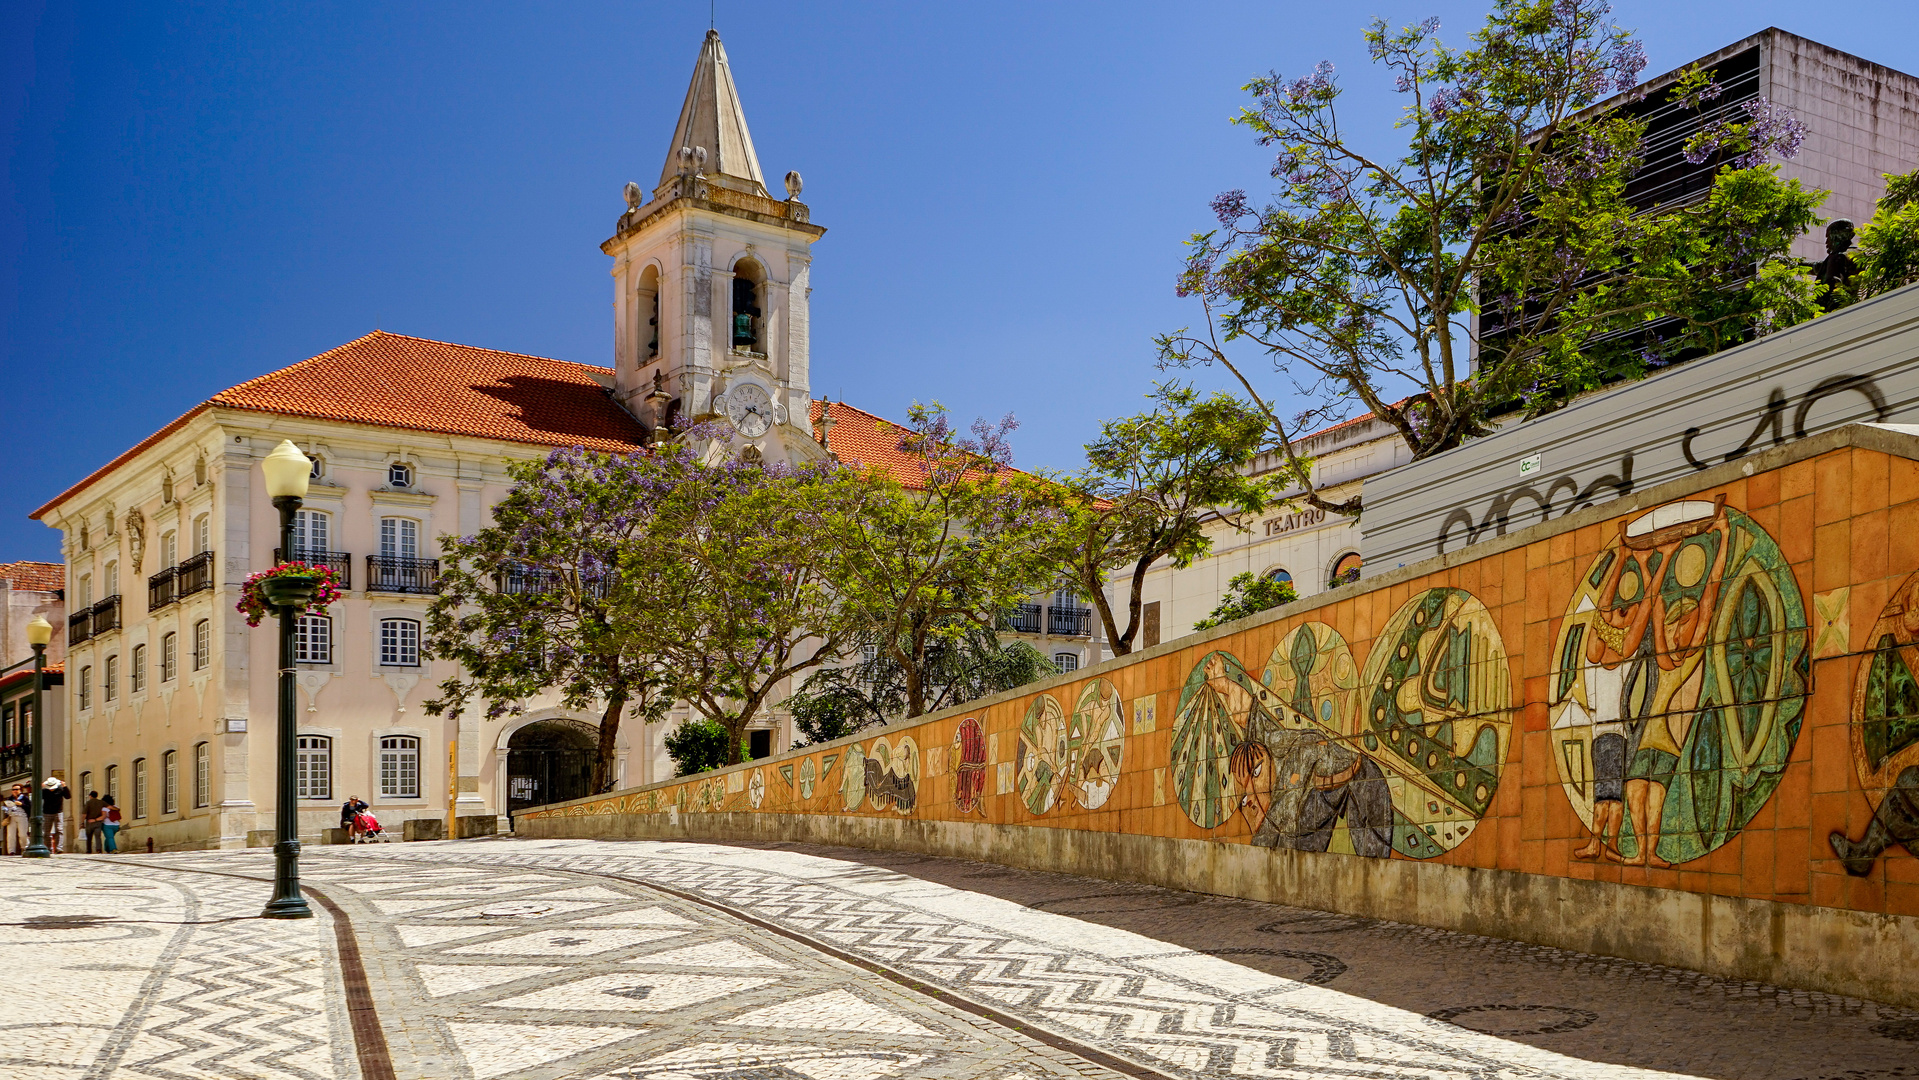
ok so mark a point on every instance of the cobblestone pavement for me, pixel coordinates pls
(573, 960)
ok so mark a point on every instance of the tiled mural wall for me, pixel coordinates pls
(1718, 693)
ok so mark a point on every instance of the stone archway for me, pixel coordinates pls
(549, 761)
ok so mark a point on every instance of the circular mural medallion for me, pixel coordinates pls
(969, 765)
(809, 775)
(1041, 761)
(1678, 685)
(1436, 715)
(1096, 743)
(756, 789)
(1885, 733)
(852, 778)
(1213, 708)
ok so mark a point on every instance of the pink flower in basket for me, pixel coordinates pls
(289, 579)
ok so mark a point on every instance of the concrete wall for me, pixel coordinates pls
(1680, 727)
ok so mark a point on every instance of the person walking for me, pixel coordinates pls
(53, 802)
(17, 829)
(109, 822)
(90, 822)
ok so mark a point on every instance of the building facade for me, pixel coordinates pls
(29, 589)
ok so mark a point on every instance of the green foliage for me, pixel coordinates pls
(1248, 595)
(1889, 243)
(1366, 278)
(1150, 481)
(966, 540)
(966, 664)
(532, 604)
(741, 586)
(700, 745)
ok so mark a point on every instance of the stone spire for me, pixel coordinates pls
(713, 120)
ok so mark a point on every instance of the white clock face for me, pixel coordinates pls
(750, 410)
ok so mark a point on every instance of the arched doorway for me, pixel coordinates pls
(550, 761)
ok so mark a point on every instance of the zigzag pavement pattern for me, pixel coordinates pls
(135, 971)
(1177, 1011)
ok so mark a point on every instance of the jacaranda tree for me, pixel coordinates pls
(1495, 261)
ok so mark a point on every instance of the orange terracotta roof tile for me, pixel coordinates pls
(34, 576)
(390, 380)
(858, 437)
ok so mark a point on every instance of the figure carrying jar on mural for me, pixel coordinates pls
(1653, 621)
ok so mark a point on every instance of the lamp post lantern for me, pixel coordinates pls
(287, 472)
(39, 633)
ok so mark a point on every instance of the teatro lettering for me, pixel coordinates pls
(1286, 523)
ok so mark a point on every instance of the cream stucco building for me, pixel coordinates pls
(410, 441)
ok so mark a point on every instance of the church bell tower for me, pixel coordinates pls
(711, 277)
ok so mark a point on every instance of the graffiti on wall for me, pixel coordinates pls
(1679, 684)
(1885, 734)
(1403, 756)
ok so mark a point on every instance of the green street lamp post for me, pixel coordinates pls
(287, 472)
(39, 632)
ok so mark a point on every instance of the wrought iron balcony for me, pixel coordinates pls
(339, 562)
(163, 588)
(1023, 619)
(1069, 621)
(15, 759)
(105, 615)
(79, 627)
(523, 581)
(388, 573)
(196, 574)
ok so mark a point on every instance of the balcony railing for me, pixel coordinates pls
(15, 759)
(196, 574)
(1024, 619)
(388, 573)
(523, 581)
(1069, 621)
(339, 562)
(163, 588)
(94, 621)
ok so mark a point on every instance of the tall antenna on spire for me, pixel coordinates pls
(712, 14)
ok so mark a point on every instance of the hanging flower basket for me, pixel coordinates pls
(301, 586)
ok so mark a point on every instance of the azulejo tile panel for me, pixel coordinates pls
(1671, 667)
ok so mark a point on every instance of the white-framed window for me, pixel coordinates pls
(399, 643)
(86, 781)
(170, 782)
(83, 595)
(169, 656)
(399, 538)
(202, 775)
(400, 767)
(203, 533)
(137, 671)
(110, 678)
(86, 687)
(313, 767)
(1066, 661)
(312, 535)
(113, 783)
(169, 549)
(202, 644)
(399, 475)
(139, 787)
(318, 467)
(313, 639)
(112, 579)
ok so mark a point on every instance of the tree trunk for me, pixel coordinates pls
(609, 735)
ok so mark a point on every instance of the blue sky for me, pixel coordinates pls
(196, 194)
